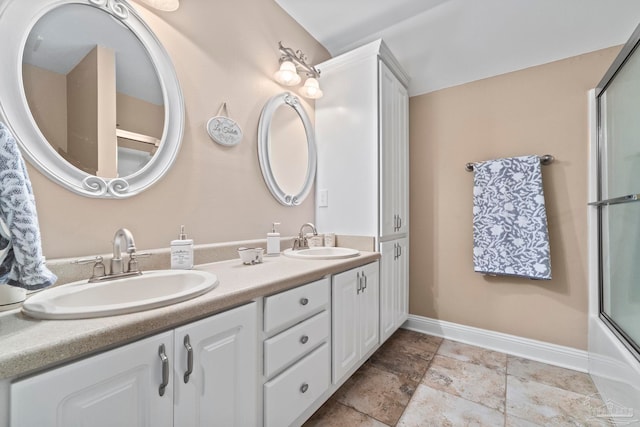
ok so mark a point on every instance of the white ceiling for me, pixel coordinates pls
(63, 36)
(443, 43)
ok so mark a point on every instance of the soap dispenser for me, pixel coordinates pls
(182, 252)
(273, 241)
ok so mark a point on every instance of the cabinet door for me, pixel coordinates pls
(388, 289)
(401, 171)
(388, 192)
(116, 388)
(369, 308)
(345, 322)
(401, 302)
(394, 154)
(221, 390)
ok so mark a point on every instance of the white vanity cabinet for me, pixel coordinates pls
(122, 387)
(355, 312)
(296, 351)
(216, 374)
(394, 154)
(362, 135)
(363, 163)
(394, 295)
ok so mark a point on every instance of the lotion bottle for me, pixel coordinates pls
(182, 252)
(273, 241)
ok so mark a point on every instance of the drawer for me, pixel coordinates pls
(289, 394)
(294, 305)
(295, 342)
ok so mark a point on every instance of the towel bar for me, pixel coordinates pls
(545, 160)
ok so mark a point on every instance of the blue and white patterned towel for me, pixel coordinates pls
(510, 235)
(21, 260)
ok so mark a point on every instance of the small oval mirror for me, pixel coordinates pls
(287, 149)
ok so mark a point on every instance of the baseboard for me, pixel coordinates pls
(553, 354)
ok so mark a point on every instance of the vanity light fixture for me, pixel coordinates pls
(287, 74)
(291, 65)
(164, 5)
(311, 89)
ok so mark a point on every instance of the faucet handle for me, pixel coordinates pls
(99, 269)
(132, 266)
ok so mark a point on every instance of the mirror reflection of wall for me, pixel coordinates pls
(288, 150)
(93, 91)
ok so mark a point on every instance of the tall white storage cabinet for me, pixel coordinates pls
(362, 138)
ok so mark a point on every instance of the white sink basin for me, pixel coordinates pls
(81, 300)
(322, 253)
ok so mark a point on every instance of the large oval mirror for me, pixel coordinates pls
(287, 149)
(91, 95)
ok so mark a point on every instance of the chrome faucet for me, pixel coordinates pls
(301, 242)
(122, 236)
(123, 239)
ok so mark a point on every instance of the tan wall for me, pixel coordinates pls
(46, 94)
(107, 140)
(137, 115)
(82, 111)
(539, 110)
(217, 192)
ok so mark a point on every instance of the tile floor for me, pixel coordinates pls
(421, 380)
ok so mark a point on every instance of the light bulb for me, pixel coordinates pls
(287, 74)
(311, 89)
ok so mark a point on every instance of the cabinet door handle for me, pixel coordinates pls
(304, 387)
(165, 369)
(304, 301)
(399, 222)
(304, 339)
(187, 345)
(359, 284)
(395, 222)
(399, 250)
(395, 251)
(364, 276)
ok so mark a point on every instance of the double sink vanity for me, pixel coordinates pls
(224, 344)
(265, 344)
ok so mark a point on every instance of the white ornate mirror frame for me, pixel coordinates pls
(264, 140)
(17, 18)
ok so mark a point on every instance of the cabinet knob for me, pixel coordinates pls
(304, 387)
(304, 301)
(304, 339)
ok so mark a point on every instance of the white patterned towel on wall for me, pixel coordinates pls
(510, 235)
(21, 260)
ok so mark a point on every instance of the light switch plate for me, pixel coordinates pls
(323, 198)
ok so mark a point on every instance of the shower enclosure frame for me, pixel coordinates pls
(614, 357)
(625, 54)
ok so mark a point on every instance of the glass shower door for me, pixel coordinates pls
(618, 101)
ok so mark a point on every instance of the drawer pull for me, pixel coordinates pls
(304, 301)
(304, 339)
(189, 371)
(304, 387)
(165, 370)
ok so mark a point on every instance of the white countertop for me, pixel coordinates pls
(28, 345)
